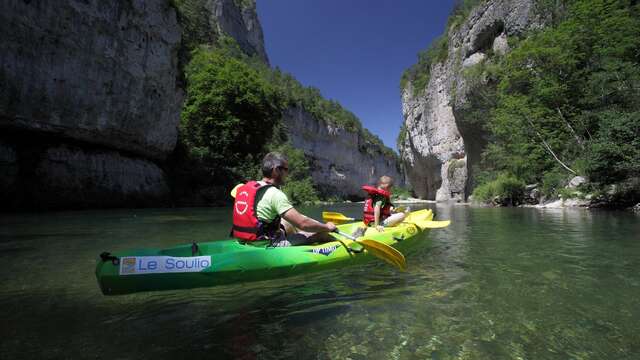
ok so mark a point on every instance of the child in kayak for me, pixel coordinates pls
(378, 209)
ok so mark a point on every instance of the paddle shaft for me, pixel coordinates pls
(346, 235)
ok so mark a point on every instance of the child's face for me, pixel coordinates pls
(385, 185)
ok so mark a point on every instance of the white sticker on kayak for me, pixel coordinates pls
(138, 265)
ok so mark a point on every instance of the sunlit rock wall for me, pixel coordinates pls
(441, 147)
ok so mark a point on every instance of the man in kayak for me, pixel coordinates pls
(263, 212)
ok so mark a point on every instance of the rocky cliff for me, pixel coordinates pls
(441, 143)
(205, 21)
(341, 160)
(90, 98)
(90, 101)
(239, 19)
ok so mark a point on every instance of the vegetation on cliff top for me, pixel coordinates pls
(233, 115)
(419, 73)
(230, 120)
(561, 103)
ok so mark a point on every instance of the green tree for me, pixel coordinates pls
(229, 113)
(566, 99)
(299, 186)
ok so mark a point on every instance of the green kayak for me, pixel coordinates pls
(228, 261)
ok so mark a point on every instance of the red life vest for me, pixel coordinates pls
(385, 211)
(246, 225)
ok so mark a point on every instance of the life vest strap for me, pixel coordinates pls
(245, 229)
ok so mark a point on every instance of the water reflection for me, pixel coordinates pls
(498, 283)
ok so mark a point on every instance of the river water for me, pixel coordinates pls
(496, 284)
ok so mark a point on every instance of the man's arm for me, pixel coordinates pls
(305, 223)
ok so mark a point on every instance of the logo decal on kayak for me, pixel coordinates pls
(140, 265)
(127, 266)
(325, 251)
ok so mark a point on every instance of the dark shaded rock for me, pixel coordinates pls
(8, 170)
(84, 179)
(103, 72)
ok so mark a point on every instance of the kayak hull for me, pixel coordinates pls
(229, 262)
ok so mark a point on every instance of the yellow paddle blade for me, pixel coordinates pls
(335, 217)
(430, 224)
(385, 252)
(235, 189)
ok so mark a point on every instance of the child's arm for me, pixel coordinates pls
(376, 215)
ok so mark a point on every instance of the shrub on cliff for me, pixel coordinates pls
(299, 186)
(505, 190)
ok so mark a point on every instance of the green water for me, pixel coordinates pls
(496, 284)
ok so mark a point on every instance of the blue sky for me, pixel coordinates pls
(354, 51)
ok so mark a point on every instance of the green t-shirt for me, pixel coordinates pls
(379, 200)
(271, 204)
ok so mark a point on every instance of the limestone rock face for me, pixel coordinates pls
(239, 20)
(341, 160)
(96, 83)
(103, 72)
(441, 147)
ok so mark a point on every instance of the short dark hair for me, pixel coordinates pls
(271, 161)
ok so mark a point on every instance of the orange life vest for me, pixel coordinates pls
(246, 225)
(385, 211)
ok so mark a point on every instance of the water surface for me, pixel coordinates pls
(496, 284)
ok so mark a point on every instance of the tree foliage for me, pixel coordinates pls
(229, 113)
(299, 187)
(232, 116)
(566, 99)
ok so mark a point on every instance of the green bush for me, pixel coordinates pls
(401, 193)
(229, 113)
(615, 155)
(301, 191)
(299, 186)
(568, 94)
(552, 181)
(505, 190)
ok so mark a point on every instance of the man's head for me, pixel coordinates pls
(275, 167)
(385, 182)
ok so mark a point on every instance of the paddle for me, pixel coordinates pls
(338, 218)
(380, 250)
